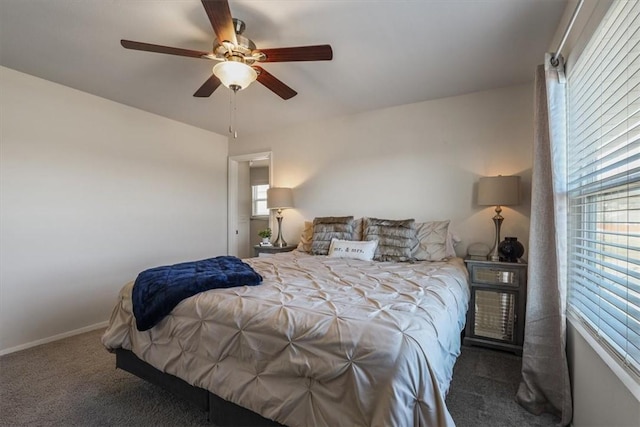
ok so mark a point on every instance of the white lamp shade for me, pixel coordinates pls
(279, 198)
(235, 73)
(499, 190)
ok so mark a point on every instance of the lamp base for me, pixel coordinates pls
(279, 242)
(494, 255)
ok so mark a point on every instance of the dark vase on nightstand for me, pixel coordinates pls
(510, 249)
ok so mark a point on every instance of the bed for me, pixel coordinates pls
(321, 341)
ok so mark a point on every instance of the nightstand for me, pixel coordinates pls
(497, 308)
(258, 250)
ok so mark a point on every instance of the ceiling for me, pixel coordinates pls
(386, 52)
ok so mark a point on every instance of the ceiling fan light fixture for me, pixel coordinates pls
(235, 75)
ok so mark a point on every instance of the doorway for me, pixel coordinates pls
(246, 171)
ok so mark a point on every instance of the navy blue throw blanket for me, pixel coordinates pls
(158, 290)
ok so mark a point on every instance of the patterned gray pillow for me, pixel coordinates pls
(395, 238)
(327, 228)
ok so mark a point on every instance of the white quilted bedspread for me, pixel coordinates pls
(321, 342)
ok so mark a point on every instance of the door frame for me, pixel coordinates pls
(232, 194)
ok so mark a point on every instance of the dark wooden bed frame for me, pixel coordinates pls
(219, 411)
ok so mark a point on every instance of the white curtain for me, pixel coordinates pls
(545, 383)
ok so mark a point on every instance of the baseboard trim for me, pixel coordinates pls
(55, 337)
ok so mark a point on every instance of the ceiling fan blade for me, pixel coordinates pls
(148, 47)
(321, 52)
(273, 84)
(220, 16)
(208, 87)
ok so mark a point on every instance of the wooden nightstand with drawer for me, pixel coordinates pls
(497, 308)
(259, 250)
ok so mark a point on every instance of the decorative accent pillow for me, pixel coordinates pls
(357, 229)
(432, 241)
(353, 249)
(306, 237)
(327, 228)
(395, 238)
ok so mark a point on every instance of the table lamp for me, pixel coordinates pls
(279, 198)
(498, 191)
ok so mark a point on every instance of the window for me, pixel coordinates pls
(603, 172)
(259, 200)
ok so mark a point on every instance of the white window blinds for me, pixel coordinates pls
(604, 183)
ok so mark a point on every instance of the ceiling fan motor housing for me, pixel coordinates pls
(238, 26)
(243, 49)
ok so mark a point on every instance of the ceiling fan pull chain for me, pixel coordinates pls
(233, 113)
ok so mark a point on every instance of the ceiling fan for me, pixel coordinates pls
(237, 55)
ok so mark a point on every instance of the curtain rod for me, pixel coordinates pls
(554, 58)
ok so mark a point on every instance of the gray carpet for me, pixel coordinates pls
(43, 386)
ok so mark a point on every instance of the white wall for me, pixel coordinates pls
(92, 192)
(420, 160)
(600, 398)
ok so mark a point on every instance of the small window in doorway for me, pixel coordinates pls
(259, 200)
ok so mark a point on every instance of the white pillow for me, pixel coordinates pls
(432, 241)
(353, 249)
(452, 240)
